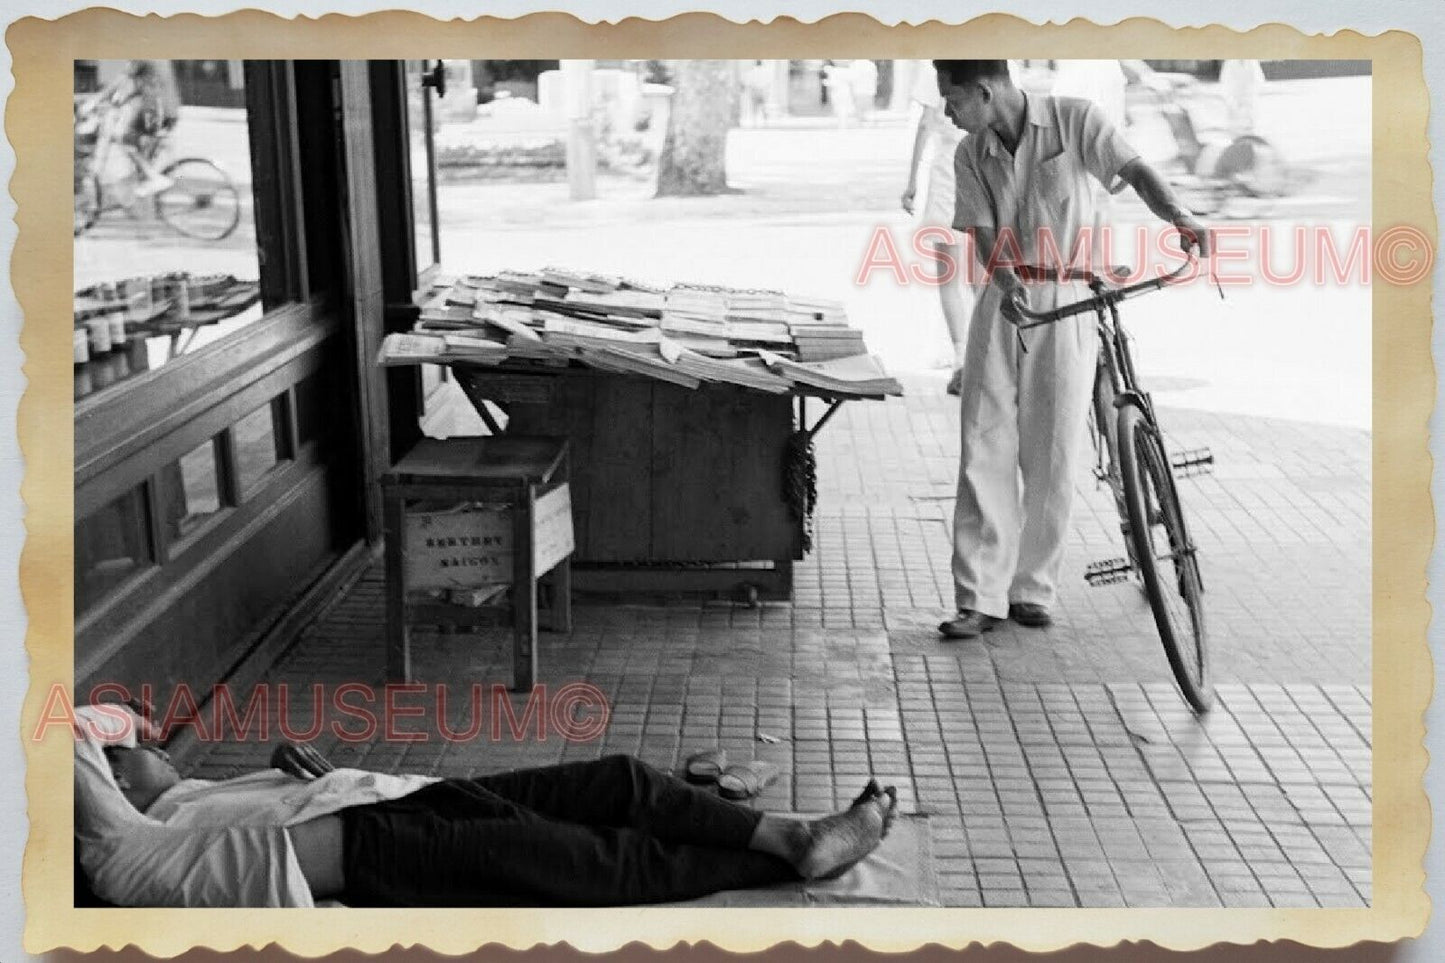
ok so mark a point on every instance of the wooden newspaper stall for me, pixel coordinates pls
(688, 413)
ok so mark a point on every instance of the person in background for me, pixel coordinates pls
(1240, 81)
(757, 80)
(145, 106)
(937, 138)
(863, 79)
(1024, 173)
(838, 85)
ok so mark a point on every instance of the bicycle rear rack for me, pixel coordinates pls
(1108, 571)
(1192, 461)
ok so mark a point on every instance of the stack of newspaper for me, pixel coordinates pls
(686, 335)
(859, 374)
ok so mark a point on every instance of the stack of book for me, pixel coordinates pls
(686, 335)
(819, 341)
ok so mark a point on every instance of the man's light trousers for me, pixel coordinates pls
(1023, 436)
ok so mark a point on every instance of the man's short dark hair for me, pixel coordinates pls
(960, 72)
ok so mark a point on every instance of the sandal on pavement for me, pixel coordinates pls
(703, 768)
(746, 780)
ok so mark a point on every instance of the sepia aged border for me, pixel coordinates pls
(39, 127)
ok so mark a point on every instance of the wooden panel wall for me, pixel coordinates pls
(209, 621)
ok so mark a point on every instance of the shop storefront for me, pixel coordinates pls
(239, 261)
(229, 422)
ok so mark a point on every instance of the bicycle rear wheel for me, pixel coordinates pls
(202, 202)
(1164, 554)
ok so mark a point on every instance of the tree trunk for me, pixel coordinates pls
(705, 102)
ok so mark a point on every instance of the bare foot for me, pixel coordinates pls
(828, 847)
(872, 791)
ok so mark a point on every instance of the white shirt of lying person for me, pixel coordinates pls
(203, 842)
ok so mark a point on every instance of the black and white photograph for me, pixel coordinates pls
(724, 483)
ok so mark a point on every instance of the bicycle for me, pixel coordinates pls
(201, 200)
(1131, 458)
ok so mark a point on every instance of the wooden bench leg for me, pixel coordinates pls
(562, 604)
(524, 594)
(398, 638)
(557, 596)
(562, 574)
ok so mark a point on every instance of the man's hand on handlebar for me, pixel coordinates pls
(1015, 296)
(1193, 234)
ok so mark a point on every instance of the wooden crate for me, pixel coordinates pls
(471, 546)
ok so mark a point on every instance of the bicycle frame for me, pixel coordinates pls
(1116, 383)
(1114, 386)
(1141, 477)
(1115, 375)
(1113, 380)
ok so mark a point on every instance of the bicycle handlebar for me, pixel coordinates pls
(1102, 297)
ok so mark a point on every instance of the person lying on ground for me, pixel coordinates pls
(613, 831)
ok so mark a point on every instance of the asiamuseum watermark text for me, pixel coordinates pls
(349, 712)
(1256, 254)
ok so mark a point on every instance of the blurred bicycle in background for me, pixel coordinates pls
(1221, 167)
(121, 135)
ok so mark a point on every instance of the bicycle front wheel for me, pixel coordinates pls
(202, 200)
(1164, 554)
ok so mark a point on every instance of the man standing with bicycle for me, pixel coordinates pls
(1023, 192)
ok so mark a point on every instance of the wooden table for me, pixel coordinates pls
(673, 489)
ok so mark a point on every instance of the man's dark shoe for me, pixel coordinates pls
(967, 625)
(1033, 615)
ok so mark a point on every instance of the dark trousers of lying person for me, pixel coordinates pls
(580, 834)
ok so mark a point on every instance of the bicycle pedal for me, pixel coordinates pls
(1108, 571)
(1193, 461)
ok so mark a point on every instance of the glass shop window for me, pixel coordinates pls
(166, 255)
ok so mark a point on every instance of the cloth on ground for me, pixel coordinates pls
(900, 872)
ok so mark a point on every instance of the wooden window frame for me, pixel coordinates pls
(129, 434)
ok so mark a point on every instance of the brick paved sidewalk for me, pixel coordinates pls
(1059, 767)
